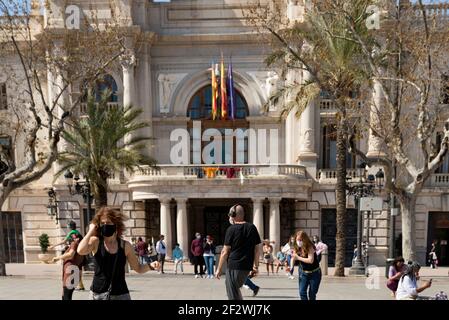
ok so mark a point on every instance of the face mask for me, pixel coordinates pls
(108, 230)
(198, 237)
(231, 220)
(299, 243)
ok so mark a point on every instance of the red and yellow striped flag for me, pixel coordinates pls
(214, 93)
(224, 95)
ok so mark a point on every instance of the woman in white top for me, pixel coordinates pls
(408, 284)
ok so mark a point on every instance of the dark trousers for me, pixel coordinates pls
(234, 281)
(67, 293)
(161, 258)
(198, 261)
(309, 281)
(250, 284)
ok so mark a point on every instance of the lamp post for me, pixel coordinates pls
(52, 207)
(362, 188)
(81, 188)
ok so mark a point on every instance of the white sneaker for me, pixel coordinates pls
(197, 276)
(291, 277)
(246, 287)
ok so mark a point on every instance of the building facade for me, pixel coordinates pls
(169, 78)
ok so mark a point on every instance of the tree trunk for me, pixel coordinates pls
(340, 191)
(408, 227)
(3, 195)
(101, 196)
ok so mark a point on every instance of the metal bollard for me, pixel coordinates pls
(324, 262)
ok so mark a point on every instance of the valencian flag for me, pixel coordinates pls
(231, 92)
(214, 92)
(224, 96)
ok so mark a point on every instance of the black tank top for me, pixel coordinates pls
(104, 263)
(311, 266)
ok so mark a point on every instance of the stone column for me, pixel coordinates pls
(307, 155)
(291, 122)
(258, 215)
(275, 223)
(144, 93)
(375, 143)
(166, 227)
(182, 227)
(128, 62)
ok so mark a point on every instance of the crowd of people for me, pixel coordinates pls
(242, 252)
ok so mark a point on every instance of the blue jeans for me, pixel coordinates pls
(250, 284)
(209, 264)
(292, 268)
(310, 281)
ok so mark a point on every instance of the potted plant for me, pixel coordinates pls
(44, 243)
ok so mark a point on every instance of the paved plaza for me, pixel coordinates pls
(43, 282)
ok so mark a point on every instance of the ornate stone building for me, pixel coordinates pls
(168, 76)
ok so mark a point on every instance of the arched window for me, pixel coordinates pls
(200, 106)
(200, 109)
(104, 83)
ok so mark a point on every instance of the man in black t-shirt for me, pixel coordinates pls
(241, 249)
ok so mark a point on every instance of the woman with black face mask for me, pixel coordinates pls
(111, 253)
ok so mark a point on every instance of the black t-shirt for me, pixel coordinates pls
(242, 238)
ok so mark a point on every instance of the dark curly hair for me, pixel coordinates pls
(114, 215)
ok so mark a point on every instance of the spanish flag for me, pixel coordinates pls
(214, 93)
(224, 96)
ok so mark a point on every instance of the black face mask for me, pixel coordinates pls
(108, 230)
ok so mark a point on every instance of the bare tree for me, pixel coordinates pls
(406, 71)
(47, 65)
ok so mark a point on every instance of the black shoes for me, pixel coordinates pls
(256, 291)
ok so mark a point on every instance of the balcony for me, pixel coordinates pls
(220, 181)
(434, 10)
(222, 171)
(83, 108)
(438, 180)
(327, 106)
(329, 176)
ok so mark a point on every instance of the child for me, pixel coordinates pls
(177, 257)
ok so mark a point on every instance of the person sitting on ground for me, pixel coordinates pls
(394, 274)
(408, 284)
(281, 261)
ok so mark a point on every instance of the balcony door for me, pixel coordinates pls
(200, 109)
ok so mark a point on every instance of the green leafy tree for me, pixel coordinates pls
(320, 49)
(99, 146)
(44, 243)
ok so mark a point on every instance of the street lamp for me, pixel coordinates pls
(52, 207)
(81, 188)
(362, 188)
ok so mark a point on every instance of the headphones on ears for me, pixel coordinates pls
(233, 210)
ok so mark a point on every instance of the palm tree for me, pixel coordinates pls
(335, 68)
(97, 147)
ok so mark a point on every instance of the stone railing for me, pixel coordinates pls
(328, 105)
(83, 107)
(437, 10)
(330, 175)
(228, 171)
(439, 180)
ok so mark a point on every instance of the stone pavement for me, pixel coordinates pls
(43, 282)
